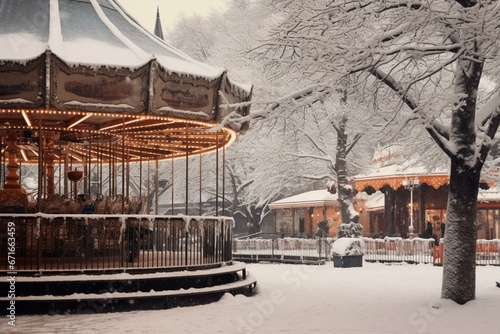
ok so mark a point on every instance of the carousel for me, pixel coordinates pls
(86, 95)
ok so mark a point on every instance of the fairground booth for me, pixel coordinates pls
(86, 95)
(401, 198)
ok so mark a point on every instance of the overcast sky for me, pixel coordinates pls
(170, 10)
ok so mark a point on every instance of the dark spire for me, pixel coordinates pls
(158, 28)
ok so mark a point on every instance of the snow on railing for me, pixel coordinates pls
(297, 249)
(488, 252)
(416, 250)
(389, 249)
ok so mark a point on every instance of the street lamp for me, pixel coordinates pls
(411, 184)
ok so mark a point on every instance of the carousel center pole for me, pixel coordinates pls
(12, 184)
(12, 191)
(49, 163)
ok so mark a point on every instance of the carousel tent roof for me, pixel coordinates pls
(394, 176)
(86, 71)
(87, 32)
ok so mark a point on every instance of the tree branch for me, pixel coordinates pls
(437, 132)
(467, 3)
(357, 137)
(491, 130)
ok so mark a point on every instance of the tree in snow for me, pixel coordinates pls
(320, 138)
(433, 56)
(258, 170)
(221, 39)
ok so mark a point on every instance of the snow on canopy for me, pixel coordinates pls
(311, 198)
(93, 32)
(391, 168)
(79, 47)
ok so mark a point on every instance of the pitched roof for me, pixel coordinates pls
(88, 32)
(308, 199)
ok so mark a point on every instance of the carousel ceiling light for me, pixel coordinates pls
(77, 120)
(26, 118)
(25, 158)
(119, 124)
(75, 157)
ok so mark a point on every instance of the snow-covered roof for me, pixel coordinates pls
(401, 170)
(394, 175)
(91, 55)
(86, 70)
(87, 32)
(489, 195)
(308, 199)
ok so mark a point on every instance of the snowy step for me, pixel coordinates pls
(84, 293)
(64, 284)
(297, 259)
(234, 267)
(248, 282)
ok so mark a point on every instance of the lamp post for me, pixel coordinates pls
(411, 184)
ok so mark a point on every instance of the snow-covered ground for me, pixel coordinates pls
(376, 298)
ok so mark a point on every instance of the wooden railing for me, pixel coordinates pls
(100, 242)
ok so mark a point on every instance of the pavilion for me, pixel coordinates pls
(299, 215)
(383, 198)
(404, 194)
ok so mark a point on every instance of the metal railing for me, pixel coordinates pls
(97, 242)
(420, 250)
(282, 249)
(416, 250)
(488, 252)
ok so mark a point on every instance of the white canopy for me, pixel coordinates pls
(87, 32)
(308, 199)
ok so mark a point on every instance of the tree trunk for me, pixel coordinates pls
(344, 190)
(459, 272)
(349, 226)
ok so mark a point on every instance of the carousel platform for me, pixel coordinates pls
(70, 292)
(59, 264)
